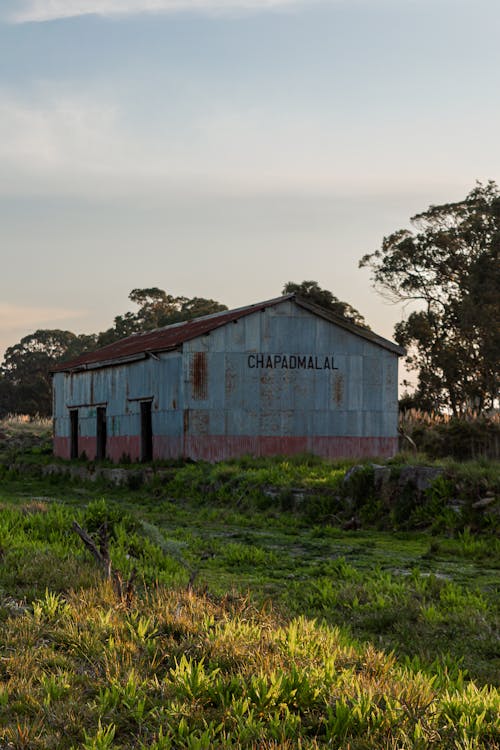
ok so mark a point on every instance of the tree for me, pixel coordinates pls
(25, 380)
(312, 291)
(198, 306)
(7, 397)
(157, 309)
(449, 264)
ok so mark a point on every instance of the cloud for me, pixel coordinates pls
(61, 140)
(74, 143)
(64, 143)
(40, 136)
(50, 10)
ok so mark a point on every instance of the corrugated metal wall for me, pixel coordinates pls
(245, 405)
(262, 384)
(121, 389)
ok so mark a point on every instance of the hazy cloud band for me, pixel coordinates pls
(50, 10)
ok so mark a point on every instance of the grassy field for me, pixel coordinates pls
(248, 623)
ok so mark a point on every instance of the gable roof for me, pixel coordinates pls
(148, 343)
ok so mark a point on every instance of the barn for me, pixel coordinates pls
(282, 376)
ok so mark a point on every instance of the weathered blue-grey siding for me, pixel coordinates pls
(209, 400)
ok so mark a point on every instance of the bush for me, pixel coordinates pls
(440, 436)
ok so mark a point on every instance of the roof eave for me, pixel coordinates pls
(219, 320)
(101, 363)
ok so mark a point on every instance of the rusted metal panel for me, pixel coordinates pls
(199, 421)
(338, 389)
(354, 382)
(198, 376)
(270, 423)
(230, 379)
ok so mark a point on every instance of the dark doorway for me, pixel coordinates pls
(101, 433)
(73, 418)
(146, 432)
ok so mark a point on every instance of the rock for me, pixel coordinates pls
(381, 476)
(421, 477)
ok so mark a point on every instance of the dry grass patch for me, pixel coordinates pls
(181, 670)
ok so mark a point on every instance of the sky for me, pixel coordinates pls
(221, 148)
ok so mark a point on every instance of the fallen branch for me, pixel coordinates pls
(101, 556)
(124, 590)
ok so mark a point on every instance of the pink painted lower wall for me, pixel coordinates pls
(116, 448)
(215, 448)
(62, 447)
(219, 448)
(123, 447)
(167, 447)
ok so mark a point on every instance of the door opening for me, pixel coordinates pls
(146, 431)
(101, 433)
(73, 418)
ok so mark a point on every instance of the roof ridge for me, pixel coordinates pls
(168, 338)
(208, 316)
(131, 345)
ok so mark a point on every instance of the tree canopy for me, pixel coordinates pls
(312, 291)
(157, 309)
(448, 264)
(25, 380)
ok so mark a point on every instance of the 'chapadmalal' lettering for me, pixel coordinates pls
(291, 362)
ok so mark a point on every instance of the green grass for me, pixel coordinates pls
(180, 670)
(297, 634)
(420, 595)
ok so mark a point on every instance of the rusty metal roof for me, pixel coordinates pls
(142, 345)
